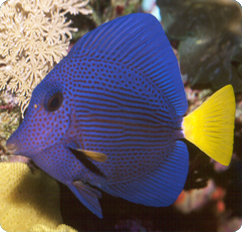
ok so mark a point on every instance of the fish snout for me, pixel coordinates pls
(12, 147)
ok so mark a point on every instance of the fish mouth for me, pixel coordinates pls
(30, 152)
(15, 159)
(12, 151)
(12, 148)
(15, 149)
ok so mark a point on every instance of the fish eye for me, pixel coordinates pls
(55, 102)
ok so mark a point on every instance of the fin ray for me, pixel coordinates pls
(94, 155)
(88, 196)
(161, 186)
(97, 156)
(125, 46)
(211, 126)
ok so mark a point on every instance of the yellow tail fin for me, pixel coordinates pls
(211, 126)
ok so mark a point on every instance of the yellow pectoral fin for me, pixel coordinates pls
(211, 126)
(97, 156)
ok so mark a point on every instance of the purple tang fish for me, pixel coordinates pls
(110, 116)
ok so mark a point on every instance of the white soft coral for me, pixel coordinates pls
(34, 37)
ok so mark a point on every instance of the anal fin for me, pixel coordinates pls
(88, 196)
(159, 187)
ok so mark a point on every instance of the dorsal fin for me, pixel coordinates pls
(139, 42)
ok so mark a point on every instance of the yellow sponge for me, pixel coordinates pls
(27, 198)
(60, 228)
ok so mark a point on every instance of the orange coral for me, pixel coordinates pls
(34, 36)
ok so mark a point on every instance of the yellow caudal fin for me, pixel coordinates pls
(211, 126)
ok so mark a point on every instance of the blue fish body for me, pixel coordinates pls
(117, 94)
